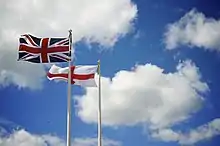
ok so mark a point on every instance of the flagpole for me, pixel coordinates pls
(99, 109)
(69, 95)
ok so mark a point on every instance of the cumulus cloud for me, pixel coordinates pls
(24, 138)
(97, 21)
(93, 142)
(194, 29)
(204, 132)
(146, 95)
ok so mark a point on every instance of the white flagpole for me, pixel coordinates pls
(69, 95)
(99, 109)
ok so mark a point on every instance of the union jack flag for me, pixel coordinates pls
(44, 50)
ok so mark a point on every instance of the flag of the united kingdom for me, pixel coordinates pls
(44, 50)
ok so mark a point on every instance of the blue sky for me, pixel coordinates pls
(159, 64)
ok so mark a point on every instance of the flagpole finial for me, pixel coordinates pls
(70, 35)
(70, 32)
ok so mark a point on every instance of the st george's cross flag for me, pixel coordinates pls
(43, 50)
(82, 75)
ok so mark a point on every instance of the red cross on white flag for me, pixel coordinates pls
(83, 75)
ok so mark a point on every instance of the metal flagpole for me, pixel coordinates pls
(69, 95)
(99, 109)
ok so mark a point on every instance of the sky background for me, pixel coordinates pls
(159, 64)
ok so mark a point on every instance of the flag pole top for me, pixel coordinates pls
(70, 33)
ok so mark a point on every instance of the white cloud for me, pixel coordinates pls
(93, 142)
(194, 29)
(204, 132)
(145, 95)
(166, 135)
(97, 21)
(24, 138)
(21, 74)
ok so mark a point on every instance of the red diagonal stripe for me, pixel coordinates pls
(63, 42)
(30, 39)
(60, 57)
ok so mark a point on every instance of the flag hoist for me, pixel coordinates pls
(50, 50)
